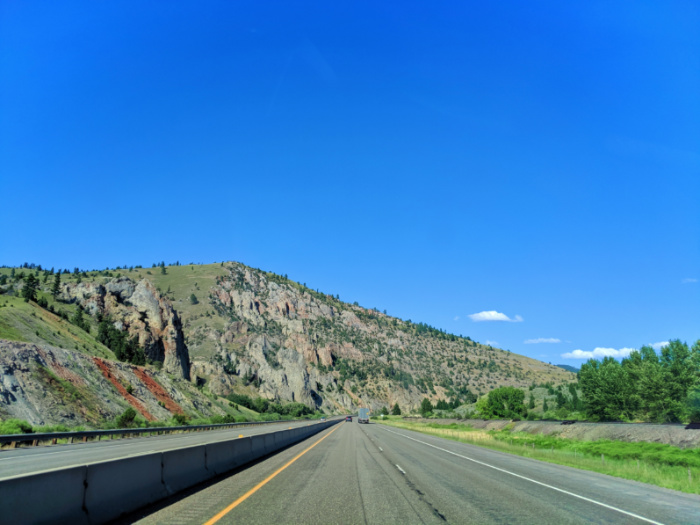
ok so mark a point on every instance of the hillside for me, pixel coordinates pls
(232, 328)
(45, 385)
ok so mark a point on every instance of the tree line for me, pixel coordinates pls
(645, 386)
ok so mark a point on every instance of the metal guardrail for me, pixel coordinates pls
(14, 439)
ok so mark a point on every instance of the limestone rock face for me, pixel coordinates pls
(278, 348)
(287, 342)
(141, 311)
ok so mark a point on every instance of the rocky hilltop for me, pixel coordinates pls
(298, 344)
(229, 328)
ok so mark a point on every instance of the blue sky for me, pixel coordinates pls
(536, 160)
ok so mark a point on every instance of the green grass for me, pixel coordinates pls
(28, 322)
(17, 324)
(654, 463)
(182, 281)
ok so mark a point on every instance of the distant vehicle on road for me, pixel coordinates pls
(348, 418)
(363, 415)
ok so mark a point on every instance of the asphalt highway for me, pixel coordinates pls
(353, 473)
(30, 460)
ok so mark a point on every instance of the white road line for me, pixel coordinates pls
(401, 470)
(642, 518)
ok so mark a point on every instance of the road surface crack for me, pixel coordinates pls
(412, 486)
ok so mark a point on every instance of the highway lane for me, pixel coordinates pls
(30, 460)
(375, 474)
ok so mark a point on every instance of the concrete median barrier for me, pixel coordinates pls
(257, 445)
(55, 496)
(284, 438)
(227, 455)
(269, 440)
(184, 468)
(102, 492)
(115, 488)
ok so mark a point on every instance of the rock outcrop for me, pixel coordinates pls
(141, 311)
(45, 385)
(248, 332)
(296, 344)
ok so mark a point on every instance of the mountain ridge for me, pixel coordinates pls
(242, 329)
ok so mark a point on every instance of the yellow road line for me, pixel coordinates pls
(264, 482)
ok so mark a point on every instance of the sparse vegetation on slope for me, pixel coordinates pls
(259, 334)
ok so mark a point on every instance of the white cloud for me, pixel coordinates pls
(542, 340)
(493, 315)
(689, 280)
(491, 343)
(659, 345)
(598, 353)
(456, 318)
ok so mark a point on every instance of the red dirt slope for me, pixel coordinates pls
(107, 372)
(158, 391)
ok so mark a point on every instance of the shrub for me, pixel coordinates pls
(15, 426)
(181, 420)
(127, 419)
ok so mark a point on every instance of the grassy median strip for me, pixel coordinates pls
(655, 463)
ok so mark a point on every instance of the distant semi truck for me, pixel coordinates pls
(363, 415)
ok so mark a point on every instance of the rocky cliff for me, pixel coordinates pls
(297, 344)
(235, 329)
(140, 310)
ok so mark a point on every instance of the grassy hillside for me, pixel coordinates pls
(29, 323)
(352, 355)
(22, 321)
(178, 284)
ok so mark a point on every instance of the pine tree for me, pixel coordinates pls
(396, 411)
(56, 287)
(31, 283)
(78, 320)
